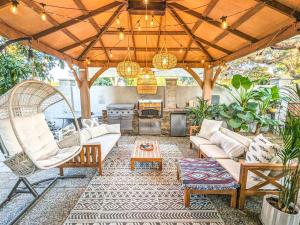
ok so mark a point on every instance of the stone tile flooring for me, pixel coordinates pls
(55, 206)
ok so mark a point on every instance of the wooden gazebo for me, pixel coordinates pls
(204, 33)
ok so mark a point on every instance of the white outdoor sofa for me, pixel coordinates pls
(250, 176)
(94, 150)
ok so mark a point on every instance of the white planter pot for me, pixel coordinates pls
(272, 216)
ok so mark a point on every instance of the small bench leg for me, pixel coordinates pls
(61, 171)
(100, 168)
(241, 201)
(160, 165)
(132, 164)
(187, 197)
(233, 198)
(191, 145)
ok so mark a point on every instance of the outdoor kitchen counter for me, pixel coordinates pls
(166, 120)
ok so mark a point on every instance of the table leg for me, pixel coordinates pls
(187, 197)
(132, 164)
(160, 165)
(233, 198)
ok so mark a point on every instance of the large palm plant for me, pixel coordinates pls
(290, 156)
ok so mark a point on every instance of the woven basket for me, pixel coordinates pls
(21, 164)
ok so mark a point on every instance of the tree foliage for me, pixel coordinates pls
(18, 63)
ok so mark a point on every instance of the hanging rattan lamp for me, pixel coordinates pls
(128, 68)
(146, 82)
(164, 60)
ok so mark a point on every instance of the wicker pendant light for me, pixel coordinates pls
(128, 68)
(164, 60)
(146, 82)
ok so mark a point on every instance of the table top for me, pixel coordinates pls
(205, 174)
(137, 153)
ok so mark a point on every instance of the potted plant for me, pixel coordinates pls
(199, 112)
(282, 209)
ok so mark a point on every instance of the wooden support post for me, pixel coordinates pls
(85, 94)
(207, 84)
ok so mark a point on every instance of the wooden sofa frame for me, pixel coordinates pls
(257, 169)
(89, 156)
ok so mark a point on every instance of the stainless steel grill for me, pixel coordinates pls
(121, 114)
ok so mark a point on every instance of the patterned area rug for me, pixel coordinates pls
(144, 196)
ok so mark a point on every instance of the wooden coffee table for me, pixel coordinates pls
(139, 155)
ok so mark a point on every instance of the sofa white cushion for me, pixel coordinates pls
(8, 137)
(234, 168)
(98, 131)
(208, 127)
(37, 139)
(113, 128)
(197, 141)
(240, 138)
(107, 142)
(233, 148)
(68, 130)
(213, 151)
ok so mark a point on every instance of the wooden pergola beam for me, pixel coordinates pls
(77, 19)
(195, 76)
(69, 47)
(4, 3)
(207, 10)
(240, 21)
(195, 38)
(101, 32)
(277, 36)
(93, 22)
(189, 32)
(131, 32)
(7, 31)
(38, 9)
(97, 75)
(213, 22)
(103, 63)
(139, 49)
(280, 7)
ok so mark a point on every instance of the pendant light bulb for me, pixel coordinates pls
(121, 34)
(110, 54)
(88, 61)
(152, 21)
(202, 61)
(180, 50)
(224, 22)
(146, 2)
(14, 7)
(146, 17)
(118, 21)
(139, 26)
(43, 13)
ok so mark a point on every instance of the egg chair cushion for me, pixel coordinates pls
(62, 155)
(9, 140)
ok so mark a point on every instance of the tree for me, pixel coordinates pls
(18, 63)
(103, 81)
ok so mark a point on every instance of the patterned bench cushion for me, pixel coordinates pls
(205, 174)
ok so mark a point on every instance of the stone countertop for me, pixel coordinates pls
(181, 110)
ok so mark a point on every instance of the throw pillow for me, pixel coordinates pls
(68, 130)
(87, 123)
(208, 127)
(261, 150)
(233, 148)
(98, 131)
(239, 138)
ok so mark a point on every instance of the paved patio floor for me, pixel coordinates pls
(55, 206)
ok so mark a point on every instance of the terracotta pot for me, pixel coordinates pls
(272, 216)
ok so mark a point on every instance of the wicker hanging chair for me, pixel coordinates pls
(26, 141)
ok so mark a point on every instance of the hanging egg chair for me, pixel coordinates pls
(27, 142)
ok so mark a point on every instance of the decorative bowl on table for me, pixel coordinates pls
(147, 147)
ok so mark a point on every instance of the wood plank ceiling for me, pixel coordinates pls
(192, 30)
